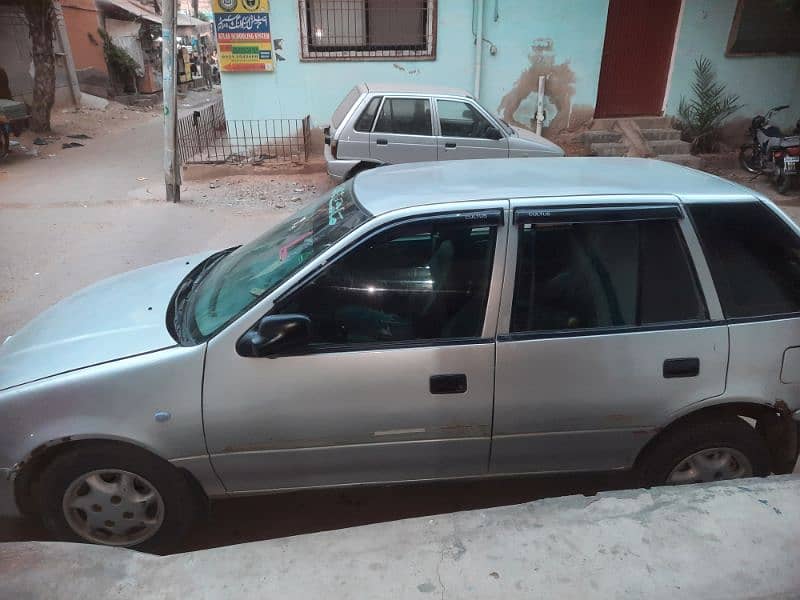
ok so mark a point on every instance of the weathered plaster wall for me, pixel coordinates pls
(760, 81)
(563, 40)
(531, 37)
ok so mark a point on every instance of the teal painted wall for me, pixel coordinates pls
(560, 38)
(761, 82)
(575, 28)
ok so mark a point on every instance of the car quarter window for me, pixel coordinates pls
(603, 275)
(420, 281)
(411, 116)
(461, 119)
(367, 116)
(753, 255)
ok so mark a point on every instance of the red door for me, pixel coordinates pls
(636, 57)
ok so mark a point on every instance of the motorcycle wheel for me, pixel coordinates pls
(4, 143)
(750, 158)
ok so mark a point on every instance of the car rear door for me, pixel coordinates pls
(609, 326)
(403, 131)
(397, 383)
(464, 131)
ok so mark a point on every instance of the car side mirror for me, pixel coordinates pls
(494, 134)
(275, 334)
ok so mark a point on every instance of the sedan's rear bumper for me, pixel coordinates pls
(338, 169)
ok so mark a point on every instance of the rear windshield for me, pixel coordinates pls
(344, 107)
(754, 258)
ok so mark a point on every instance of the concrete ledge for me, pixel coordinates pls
(728, 540)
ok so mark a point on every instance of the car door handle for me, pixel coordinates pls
(449, 384)
(450, 145)
(681, 367)
(382, 142)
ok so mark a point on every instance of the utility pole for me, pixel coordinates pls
(169, 67)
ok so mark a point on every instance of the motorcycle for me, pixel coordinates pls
(771, 152)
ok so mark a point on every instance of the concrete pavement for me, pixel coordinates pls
(671, 543)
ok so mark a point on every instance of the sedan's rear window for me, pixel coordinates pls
(345, 106)
(753, 255)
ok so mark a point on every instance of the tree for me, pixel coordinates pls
(40, 15)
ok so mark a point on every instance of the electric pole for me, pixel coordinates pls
(169, 67)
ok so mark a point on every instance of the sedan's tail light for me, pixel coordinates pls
(793, 151)
(777, 154)
(334, 147)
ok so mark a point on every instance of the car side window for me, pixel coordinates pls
(420, 281)
(603, 275)
(411, 116)
(753, 255)
(367, 116)
(461, 119)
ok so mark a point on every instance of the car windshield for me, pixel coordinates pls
(243, 277)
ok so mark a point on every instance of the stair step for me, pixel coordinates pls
(652, 135)
(603, 124)
(608, 149)
(670, 147)
(653, 122)
(601, 135)
(687, 160)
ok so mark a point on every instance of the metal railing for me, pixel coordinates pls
(206, 136)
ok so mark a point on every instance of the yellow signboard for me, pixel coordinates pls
(243, 35)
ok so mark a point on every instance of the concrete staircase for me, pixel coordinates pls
(653, 137)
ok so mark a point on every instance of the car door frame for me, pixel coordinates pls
(407, 137)
(622, 449)
(441, 143)
(221, 348)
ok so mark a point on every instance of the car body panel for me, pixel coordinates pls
(528, 143)
(112, 319)
(116, 400)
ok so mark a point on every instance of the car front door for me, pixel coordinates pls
(465, 132)
(612, 326)
(397, 382)
(403, 131)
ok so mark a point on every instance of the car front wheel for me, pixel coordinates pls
(705, 451)
(115, 496)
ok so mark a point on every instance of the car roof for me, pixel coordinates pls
(411, 88)
(417, 184)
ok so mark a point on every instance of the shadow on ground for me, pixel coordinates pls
(255, 518)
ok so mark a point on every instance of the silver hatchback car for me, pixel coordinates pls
(431, 321)
(381, 124)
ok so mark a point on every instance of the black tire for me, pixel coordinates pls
(674, 446)
(181, 503)
(359, 169)
(748, 158)
(5, 143)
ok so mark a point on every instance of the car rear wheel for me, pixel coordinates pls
(116, 496)
(705, 451)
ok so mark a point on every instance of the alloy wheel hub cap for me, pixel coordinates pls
(712, 464)
(113, 507)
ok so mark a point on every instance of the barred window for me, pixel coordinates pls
(368, 29)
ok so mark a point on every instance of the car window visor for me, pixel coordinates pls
(492, 216)
(597, 214)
